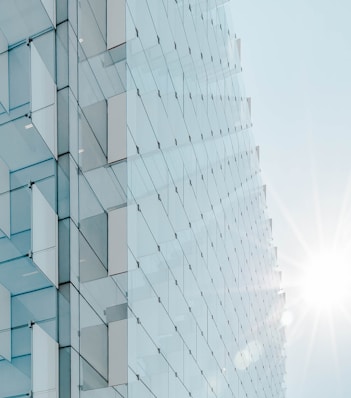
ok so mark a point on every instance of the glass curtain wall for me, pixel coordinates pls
(203, 303)
(136, 257)
(28, 200)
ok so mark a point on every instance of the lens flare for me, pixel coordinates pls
(249, 355)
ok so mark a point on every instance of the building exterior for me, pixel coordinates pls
(136, 257)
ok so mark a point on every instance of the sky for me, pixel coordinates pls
(296, 59)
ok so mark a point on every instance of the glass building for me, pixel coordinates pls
(136, 257)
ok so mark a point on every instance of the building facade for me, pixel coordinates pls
(136, 256)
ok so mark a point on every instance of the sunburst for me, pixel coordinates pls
(318, 283)
(326, 279)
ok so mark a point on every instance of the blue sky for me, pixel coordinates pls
(296, 58)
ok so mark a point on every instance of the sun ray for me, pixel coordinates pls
(346, 315)
(345, 211)
(316, 204)
(295, 328)
(290, 261)
(318, 286)
(331, 322)
(312, 338)
(285, 212)
(320, 294)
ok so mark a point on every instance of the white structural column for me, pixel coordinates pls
(116, 23)
(5, 226)
(117, 241)
(50, 8)
(117, 127)
(43, 101)
(4, 74)
(5, 323)
(45, 366)
(44, 235)
(118, 352)
(4, 78)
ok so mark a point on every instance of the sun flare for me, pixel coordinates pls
(326, 280)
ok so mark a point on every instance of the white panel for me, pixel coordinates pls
(45, 260)
(50, 7)
(4, 80)
(118, 352)
(5, 323)
(43, 87)
(117, 241)
(46, 394)
(43, 104)
(45, 122)
(45, 354)
(238, 43)
(3, 43)
(5, 213)
(116, 23)
(44, 235)
(117, 128)
(4, 198)
(4, 177)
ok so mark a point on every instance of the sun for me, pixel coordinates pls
(322, 299)
(326, 280)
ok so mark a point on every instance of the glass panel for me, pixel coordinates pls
(92, 26)
(31, 16)
(93, 347)
(38, 306)
(50, 7)
(15, 377)
(93, 220)
(19, 75)
(22, 145)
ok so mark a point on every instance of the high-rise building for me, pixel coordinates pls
(136, 257)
